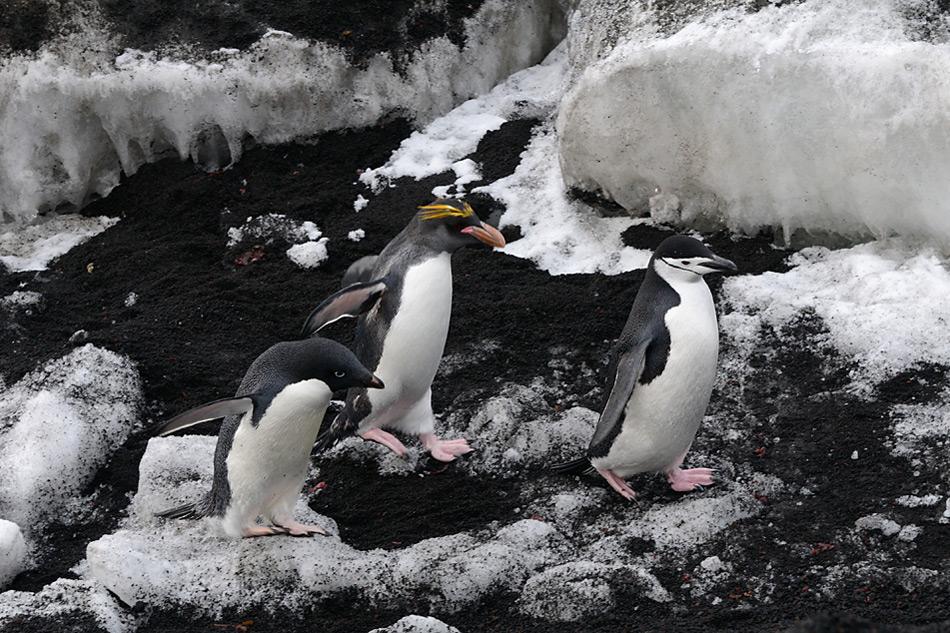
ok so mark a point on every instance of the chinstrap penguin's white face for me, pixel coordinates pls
(684, 258)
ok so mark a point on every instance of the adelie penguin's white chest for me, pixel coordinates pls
(415, 341)
(275, 453)
(662, 417)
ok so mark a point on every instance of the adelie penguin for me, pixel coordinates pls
(403, 338)
(263, 450)
(662, 373)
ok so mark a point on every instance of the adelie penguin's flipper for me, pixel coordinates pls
(350, 302)
(360, 271)
(210, 411)
(579, 466)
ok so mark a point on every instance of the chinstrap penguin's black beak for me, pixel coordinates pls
(375, 383)
(487, 234)
(720, 264)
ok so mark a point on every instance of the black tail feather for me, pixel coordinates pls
(187, 511)
(338, 430)
(578, 466)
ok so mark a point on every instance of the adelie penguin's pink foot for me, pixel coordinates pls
(388, 440)
(260, 530)
(617, 483)
(444, 450)
(685, 480)
(301, 529)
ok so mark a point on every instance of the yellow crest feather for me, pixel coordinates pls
(437, 211)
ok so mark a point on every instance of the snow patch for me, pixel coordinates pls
(417, 624)
(356, 235)
(270, 227)
(21, 301)
(579, 590)
(13, 552)
(913, 501)
(34, 246)
(58, 426)
(446, 140)
(515, 431)
(884, 303)
(694, 520)
(65, 600)
(834, 119)
(561, 235)
(309, 254)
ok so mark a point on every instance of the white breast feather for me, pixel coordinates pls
(270, 461)
(415, 342)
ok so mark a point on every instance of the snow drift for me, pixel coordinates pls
(73, 120)
(828, 115)
(58, 426)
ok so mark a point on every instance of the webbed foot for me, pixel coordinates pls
(445, 450)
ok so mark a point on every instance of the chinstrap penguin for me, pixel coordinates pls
(661, 373)
(263, 449)
(402, 339)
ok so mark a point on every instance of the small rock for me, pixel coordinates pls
(79, 336)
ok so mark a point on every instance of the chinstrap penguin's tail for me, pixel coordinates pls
(197, 510)
(579, 466)
(187, 511)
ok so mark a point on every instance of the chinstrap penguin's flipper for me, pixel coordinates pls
(350, 302)
(206, 412)
(627, 372)
(359, 271)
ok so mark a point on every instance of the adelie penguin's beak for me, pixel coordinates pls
(486, 234)
(376, 383)
(721, 264)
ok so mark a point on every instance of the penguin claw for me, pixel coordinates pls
(445, 450)
(617, 483)
(302, 530)
(260, 530)
(687, 480)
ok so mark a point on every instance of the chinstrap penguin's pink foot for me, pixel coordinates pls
(261, 530)
(445, 450)
(387, 439)
(617, 483)
(301, 529)
(686, 480)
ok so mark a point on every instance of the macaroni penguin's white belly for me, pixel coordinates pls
(414, 343)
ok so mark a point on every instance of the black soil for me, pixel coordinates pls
(24, 25)
(355, 26)
(201, 318)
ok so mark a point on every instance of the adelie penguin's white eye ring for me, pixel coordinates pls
(339, 374)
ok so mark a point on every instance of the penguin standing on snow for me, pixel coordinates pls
(263, 449)
(662, 373)
(403, 338)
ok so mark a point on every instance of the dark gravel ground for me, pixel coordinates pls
(201, 319)
(362, 28)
